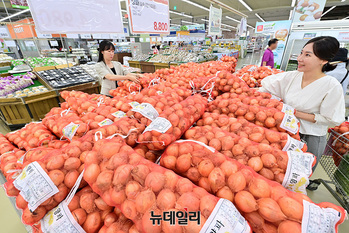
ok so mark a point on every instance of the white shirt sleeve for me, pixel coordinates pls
(274, 84)
(332, 109)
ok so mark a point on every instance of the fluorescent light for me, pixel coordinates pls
(182, 14)
(10, 16)
(197, 5)
(328, 10)
(226, 25)
(124, 11)
(291, 13)
(204, 20)
(259, 17)
(346, 18)
(250, 26)
(294, 3)
(342, 0)
(188, 22)
(245, 5)
(232, 19)
(172, 24)
(225, 6)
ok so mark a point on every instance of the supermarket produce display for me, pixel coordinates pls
(66, 77)
(11, 84)
(191, 148)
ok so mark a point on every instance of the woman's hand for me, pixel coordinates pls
(133, 78)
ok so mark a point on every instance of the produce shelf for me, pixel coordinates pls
(134, 64)
(159, 65)
(336, 166)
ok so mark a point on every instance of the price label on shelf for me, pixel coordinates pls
(149, 16)
(66, 16)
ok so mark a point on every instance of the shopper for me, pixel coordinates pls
(340, 72)
(317, 97)
(155, 49)
(268, 56)
(109, 71)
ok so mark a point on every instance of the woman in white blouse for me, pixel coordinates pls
(318, 98)
(109, 71)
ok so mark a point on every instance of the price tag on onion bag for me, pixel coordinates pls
(35, 185)
(60, 219)
(293, 145)
(287, 109)
(105, 122)
(119, 114)
(70, 130)
(299, 168)
(160, 124)
(290, 123)
(225, 218)
(319, 220)
(134, 104)
(274, 97)
(147, 110)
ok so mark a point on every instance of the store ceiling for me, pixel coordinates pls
(269, 10)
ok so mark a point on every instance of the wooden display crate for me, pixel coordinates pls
(14, 111)
(161, 65)
(64, 66)
(41, 104)
(36, 69)
(134, 64)
(147, 67)
(90, 88)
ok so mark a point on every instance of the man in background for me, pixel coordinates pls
(268, 56)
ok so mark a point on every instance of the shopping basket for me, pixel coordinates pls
(335, 162)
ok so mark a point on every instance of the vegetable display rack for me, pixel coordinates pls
(335, 162)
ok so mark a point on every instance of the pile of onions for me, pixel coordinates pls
(31, 136)
(341, 142)
(265, 204)
(253, 75)
(136, 186)
(9, 162)
(181, 116)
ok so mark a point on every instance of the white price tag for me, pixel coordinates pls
(10, 43)
(148, 16)
(4, 33)
(299, 168)
(287, 109)
(70, 130)
(35, 185)
(225, 218)
(274, 97)
(85, 36)
(319, 220)
(290, 123)
(119, 114)
(40, 35)
(105, 122)
(147, 110)
(60, 220)
(66, 16)
(160, 124)
(29, 43)
(134, 104)
(293, 145)
(73, 36)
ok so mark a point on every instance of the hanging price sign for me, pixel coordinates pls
(66, 16)
(149, 16)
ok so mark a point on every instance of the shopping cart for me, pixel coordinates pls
(335, 162)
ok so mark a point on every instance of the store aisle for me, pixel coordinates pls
(250, 59)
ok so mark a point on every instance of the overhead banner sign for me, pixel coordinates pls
(66, 16)
(215, 21)
(280, 31)
(309, 10)
(149, 16)
(242, 29)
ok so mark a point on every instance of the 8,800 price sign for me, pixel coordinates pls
(149, 16)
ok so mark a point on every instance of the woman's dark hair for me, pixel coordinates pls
(325, 48)
(104, 45)
(272, 41)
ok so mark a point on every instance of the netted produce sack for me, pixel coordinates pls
(154, 198)
(270, 118)
(125, 88)
(5, 145)
(265, 204)
(65, 124)
(173, 122)
(246, 129)
(291, 169)
(33, 135)
(338, 144)
(10, 162)
(44, 183)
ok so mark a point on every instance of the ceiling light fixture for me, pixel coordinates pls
(188, 22)
(228, 17)
(124, 11)
(172, 24)
(250, 26)
(204, 20)
(328, 10)
(10, 16)
(197, 5)
(181, 14)
(343, 0)
(345, 18)
(259, 17)
(245, 5)
(294, 3)
(226, 25)
(225, 6)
